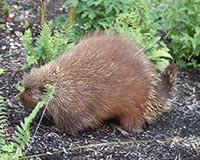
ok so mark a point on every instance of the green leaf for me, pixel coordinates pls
(31, 60)
(69, 2)
(162, 64)
(90, 3)
(84, 14)
(92, 15)
(1, 71)
(159, 53)
(19, 87)
(75, 2)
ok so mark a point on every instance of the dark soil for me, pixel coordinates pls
(174, 136)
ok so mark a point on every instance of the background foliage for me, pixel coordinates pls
(175, 24)
(181, 24)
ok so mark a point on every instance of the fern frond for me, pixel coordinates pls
(13, 150)
(28, 48)
(159, 53)
(62, 42)
(22, 135)
(48, 45)
(44, 47)
(153, 43)
(3, 120)
(27, 42)
(50, 90)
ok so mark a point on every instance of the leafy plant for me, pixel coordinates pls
(127, 23)
(19, 87)
(97, 14)
(4, 7)
(47, 45)
(13, 150)
(181, 24)
(136, 19)
(1, 71)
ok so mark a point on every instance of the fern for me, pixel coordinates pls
(48, 45)
(27, 42)
(7, 151)
(13, 150)
(3, 120)
(22, 136)
(44, 46)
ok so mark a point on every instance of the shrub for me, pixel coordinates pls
(181, 23)
(97, 14)
(136, 19)
(149, 41)
(4, 7)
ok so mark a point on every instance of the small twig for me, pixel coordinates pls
(71, 16)
(43, 12)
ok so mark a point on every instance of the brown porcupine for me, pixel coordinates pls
(102, 77)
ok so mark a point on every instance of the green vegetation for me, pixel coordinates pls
(4, 7)
(21, 139)
(136, 19)
(97, 14)
(47, 45)
(1, 71)
(168, 27)
(181, 24)
(161, 27)
(142, 29)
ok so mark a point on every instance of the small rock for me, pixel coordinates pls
(17, 33)
(7, 37)
(13, 47)
(11, 43)
(10, 29)
(12, 24)
(3, 47)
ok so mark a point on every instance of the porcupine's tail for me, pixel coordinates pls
(166, 84)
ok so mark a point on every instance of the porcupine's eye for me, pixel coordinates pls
(29, 93)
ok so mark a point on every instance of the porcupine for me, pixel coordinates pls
(100, 78)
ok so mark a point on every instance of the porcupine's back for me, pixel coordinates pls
(102, 77)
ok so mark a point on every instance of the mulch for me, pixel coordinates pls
(175, 135)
